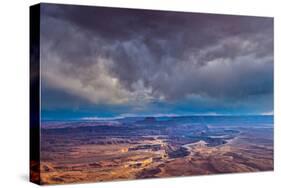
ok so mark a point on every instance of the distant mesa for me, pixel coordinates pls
(148, 120)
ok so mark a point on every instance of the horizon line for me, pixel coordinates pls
(103, 118)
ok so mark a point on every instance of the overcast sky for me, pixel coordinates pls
(104, 62)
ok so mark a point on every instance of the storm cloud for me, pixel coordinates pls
(114, 56)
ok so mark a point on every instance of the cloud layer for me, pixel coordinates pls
(138, 57)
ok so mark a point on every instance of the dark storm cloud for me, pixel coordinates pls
(117, 56)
